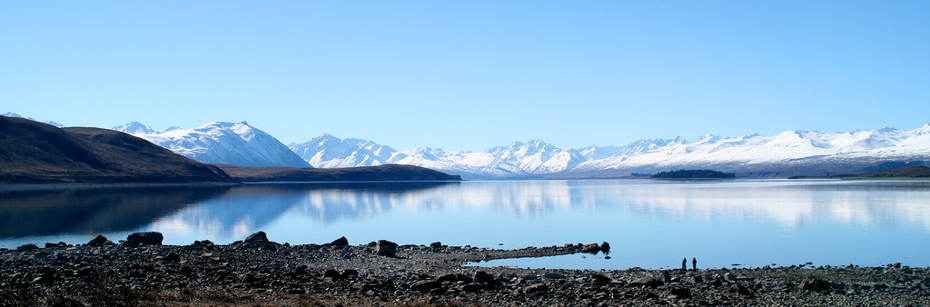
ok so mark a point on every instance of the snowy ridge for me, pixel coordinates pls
(11, 114)
(219, 142)
(791, 148)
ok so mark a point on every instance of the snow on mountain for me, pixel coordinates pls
(11, 114)
(134, 128)
(537, 157)
(220, 142)
(329, 152)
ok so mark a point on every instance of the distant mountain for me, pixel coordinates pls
(328, 151)
(787, 154)
(221, 143)
(11, 114)
(33, 152)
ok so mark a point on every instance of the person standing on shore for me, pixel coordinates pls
(694, 263)
(684, 264)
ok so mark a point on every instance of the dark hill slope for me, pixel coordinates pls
(32, 152)
(390, 172)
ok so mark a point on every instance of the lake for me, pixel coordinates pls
(649, 224)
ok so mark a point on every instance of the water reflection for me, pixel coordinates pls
(93, 210)
(645, 221)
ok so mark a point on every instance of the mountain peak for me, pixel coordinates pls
(134, 128)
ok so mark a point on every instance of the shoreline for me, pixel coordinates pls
(256, 271)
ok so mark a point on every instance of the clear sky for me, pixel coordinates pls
(470, 75)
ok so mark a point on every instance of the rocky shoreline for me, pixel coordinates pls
(257, 271)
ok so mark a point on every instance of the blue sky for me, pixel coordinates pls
(471, 75)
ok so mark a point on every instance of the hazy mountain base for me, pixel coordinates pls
(820, 166)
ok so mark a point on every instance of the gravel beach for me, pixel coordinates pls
(259, 272)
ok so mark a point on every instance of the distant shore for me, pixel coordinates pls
(141, 271)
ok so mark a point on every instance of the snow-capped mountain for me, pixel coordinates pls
(219, 142)
(330, 152)
(799, 150)
(11, 114)
(135, 128)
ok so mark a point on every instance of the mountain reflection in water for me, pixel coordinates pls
(734, 221)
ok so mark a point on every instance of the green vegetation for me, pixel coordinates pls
(693, 174)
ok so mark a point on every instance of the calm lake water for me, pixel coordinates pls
(649, 224)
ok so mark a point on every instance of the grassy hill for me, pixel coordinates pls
(32, 152)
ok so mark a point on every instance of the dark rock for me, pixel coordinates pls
(144, 238)
(342, 241)
(924, 284)
(386, 248)
(436, 244)
(203, 244)
(813, 284)
(173, 257)
(645, 281)
(483, 277)
(553, 276)
(698, 279)
(51, 245)
(425, 286)
(99, 240)
(27, 247)
(349, 273)
(86, 272)
(541, 288)
(333, 274)
(259, 239)
(301, 270)
(600, 279)
(605, 247)
(472, 288)
(452, 277)
(590, 248)
(680, 293)
(739, 289)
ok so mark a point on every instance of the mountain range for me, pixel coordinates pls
(791, 153)
(221, 143)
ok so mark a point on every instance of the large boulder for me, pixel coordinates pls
(386, 248)
(814, 284)
(144, 238)
(258, 239)
(99, 240)
(27, 247)
(342, 241)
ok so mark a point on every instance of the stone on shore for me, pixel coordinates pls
(144, 238)
(813, 284)
(342, 241)
(27, 247)
(99, 240)
(386, 248)
(259, 239)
